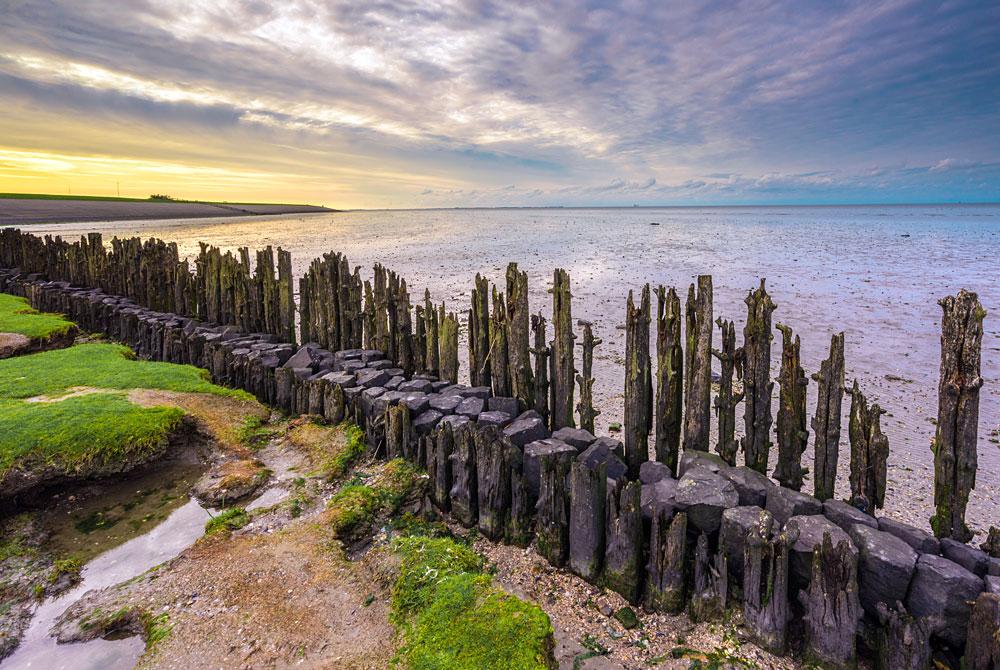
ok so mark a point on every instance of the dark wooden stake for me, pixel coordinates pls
(869, 451)
(669, 378)
(585, 408)
(638, 384)
(831, 604)
(464, 495)
(727, 400)
(711, 583)
(449, 345)
(792, 434)
(542, 354)
(698, 362)
(552, 530)
(493, 482)
(902, 641)
(982, 648)
(479, 334)
(588, 492)
(518, 338)
(665, 571)
(757, 384)
(499, 367)
(765, 585)
(826, 422)
(432, 349)
(623, 549)
(563, 372)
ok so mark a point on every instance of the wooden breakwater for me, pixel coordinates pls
(688, 530)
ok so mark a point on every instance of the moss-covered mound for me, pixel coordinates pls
(23, 329)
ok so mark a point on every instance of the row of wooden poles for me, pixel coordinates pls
(510, 352)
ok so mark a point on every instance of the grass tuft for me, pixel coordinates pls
(227, 521)
(17, 316)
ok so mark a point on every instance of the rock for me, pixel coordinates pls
(576, 437)
(885, 567)
(942, 590)
(709, 461)
(230, 482)
(974, 560)
(446, 404)
(417, 385)
(440, 386)
(599, 452)
(417, 402)
(736, 523)
(650, 472)
(992, 584)
(627, 618)
(751, 486)
(617, 447)
(530, 463)
(502, 404)
(452, 389)
(454, 420)
(368, 398)
(994, 567)
(523, 431)
(393, 384)
(425, 423)
(378, 365)
(846, 515)
(475, 392)
(921, 541)
(470, 407)
(660, 495)
(785, 503)
(396, 372)
(308, 356)
(704, 495)
(344, 379)
(810, 531)
(494, 419)
(369, 378)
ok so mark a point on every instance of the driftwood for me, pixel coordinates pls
(585, 380)
(869, 451)
(464, 494)
(826, 422)
(832, 607)
(698, 363)
(792, 434)
(954, 443)
(517, 337)
(727, 400)
(982, 648)
(542, 354)
(902, 641)
(552, 523)
(499, 367)
(765, 585)
(587, 491)
(638, 384)
(711, 583)
(493, 482)
(669, 378)
(665, 571)
(479, 334)
(563, 372)
(757, 384)
(623, 548)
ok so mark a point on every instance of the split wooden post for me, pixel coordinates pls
(711, 583)
(464, 495)
(588, 492)
(623, 548)
(954, 445)
(792, 434)
(521, 518)
(498, 358)
(669, 378)
(552, 530)
(397, 430)
(404, 333)
(585, 408)
(698, 361)
(563, 372)
(665, 571)
(727, 400)
(832, 607)
(449, 345)
(542, 354)
(432, 347)
(493, 482)
(903, 642)
(638, 384)
(869, 452)
(982, 647)
(765, 585)
(444, 446)
(518, 338)
(757, 384)
(479, 334)
(826, 422)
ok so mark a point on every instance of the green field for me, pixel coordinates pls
(17, 316)
(111, 198)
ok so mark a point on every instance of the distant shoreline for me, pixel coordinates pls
(27, 210)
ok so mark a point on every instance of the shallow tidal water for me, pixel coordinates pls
(874, 272)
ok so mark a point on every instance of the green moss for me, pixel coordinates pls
(336, 465)
(254, 433)
(17, 316)
(358, 504)
(227, 520)
(452, 616)
(156, 628)
(70, 566)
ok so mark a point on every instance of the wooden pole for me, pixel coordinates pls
(792, 434)
(698, 362)
(869, 452)
(542, 354)
(727, 400)
(517, 337)
(669, 378)
(826, 422)
(562, 352)
(638, 384)
(479, 334)
(757, 384)
(585, 408)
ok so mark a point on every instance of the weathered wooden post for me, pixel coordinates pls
(585, 408)
(552, 530)
(638, 384)
(397, 430)
(493, 483)
(711, 583)
(588, 492)
(727, 400)
(698, 361)
(419, 339)
(792, 434)
(371, 341)
(982, 647)
(765, 585)
(669, 378)
(542, 353)
(379, 291)
(831, 604)
(665, 571)
(444, 446)
(404, 333)
(902, 642)
(499, 366)
(432, 356)
(286, 302)
(826, 422)
(392, 317)
(521, 517)
(869, 451)
(562, 352)
(517, 337)
(954, 445)
(623, 548)
(449, 345)
(757, 384)
(464, 495)
(479, 334)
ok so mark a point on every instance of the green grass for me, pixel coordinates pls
(452, 616)
(111, 198)
(17, 316)
(227, 520)
(336, 465)
(356, 505)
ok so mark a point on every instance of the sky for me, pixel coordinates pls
(386, 103)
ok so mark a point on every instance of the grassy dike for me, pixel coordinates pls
(18, 317)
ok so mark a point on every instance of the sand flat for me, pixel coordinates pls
(16, 211)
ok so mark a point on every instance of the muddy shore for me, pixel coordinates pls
(16, 211)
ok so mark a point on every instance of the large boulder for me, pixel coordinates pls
(426, 422)
(651, 472)
(470, 407)
(704, 495)
(921, 541)
(785, 503)
(810, 530)
(846, 515)
(446, 404)
(885, 567)
(523, 431)
(309, 356)
(751, 486)
(370, 378)
(707, 460)
(656, 496)
(343, 379)
(532, 452)
(475, 392)
(942, 590)
(454, 420)
(577, 437)
(417, 386)
(974, 560)
(617, 447)
(417, 402)
(601, 452)
(736, 524)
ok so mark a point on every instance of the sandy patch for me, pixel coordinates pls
(12, 343)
